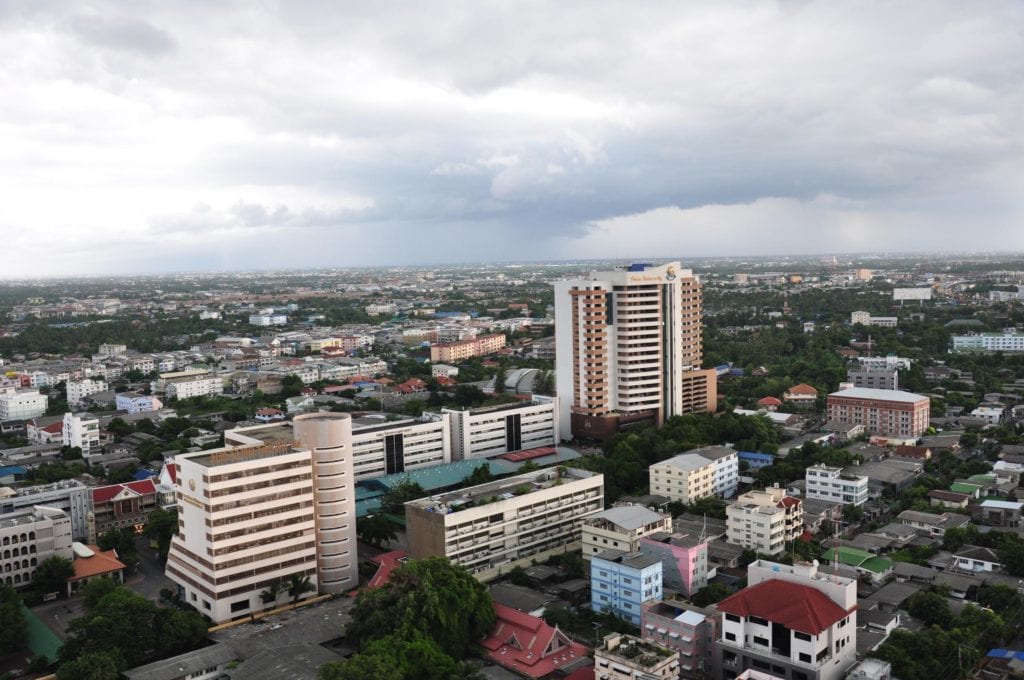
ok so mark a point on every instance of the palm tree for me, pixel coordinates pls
(297, 585)
(269, 596)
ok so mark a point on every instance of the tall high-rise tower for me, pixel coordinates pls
(628, 349)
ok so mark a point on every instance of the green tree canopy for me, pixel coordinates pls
(376, 530)
(12, 621)
(431, 598)
(52, 575)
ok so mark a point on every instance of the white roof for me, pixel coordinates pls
(690, 618)
(687, 461)
(881, 395)
(629, 516)
(1002, 505)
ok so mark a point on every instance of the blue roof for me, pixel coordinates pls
(11, 470)
(141, 475)
(1006, 654)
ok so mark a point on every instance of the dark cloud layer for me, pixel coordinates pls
(193, 135)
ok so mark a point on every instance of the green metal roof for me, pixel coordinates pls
(877, 565)
(964, 487)
(853, 557)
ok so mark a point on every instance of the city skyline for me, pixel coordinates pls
(148, 138)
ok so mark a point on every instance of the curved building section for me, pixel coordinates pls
(328, 436)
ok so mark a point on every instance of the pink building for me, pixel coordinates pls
(684, 628)
(684, 561)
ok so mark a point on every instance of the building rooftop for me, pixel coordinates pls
(687, 461)
(628, 517)
(184, 665)
(635, 560)
(635, 651)
(502, 489)
(793, 605)
(879, 395)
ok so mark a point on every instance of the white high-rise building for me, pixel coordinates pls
(629, 349)
(81, 430)
(278, 501)
(494, 430)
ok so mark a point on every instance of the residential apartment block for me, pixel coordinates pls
(29, 537)
(629, 344)
(622, 582)
(683, 628)
(826, 483)
(684, 560)
(77, 390)
(626, 657)
(621, 528)
(493, 527)
(134, 402)
(725, 477)
(684, 478)
(874, 378)
(277, 501)
(454, 352)
(81, 430)
(392, 447)
(886, 412)
(764, 520)
(791, 621)
(19, 404)
(1009, 341)
(494, 430)
(187, 388)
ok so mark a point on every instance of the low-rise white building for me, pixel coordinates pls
(187, 388)
(1008, 341)
(388, 448)
(621, 528)
(764, 521)
(134, 402)
(684, 478)
(21, 404)
(29, 537)
(268, 319)
(78, 390)
(826, 483)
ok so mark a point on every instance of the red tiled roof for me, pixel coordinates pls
(53, 428)
(100, 563)
(769, 401)
(795, 606)
(802, 388)
(788, 501)
(269, 412)
(527, 454)
(387, 563)
(102, 494)
(528, 646)
(172, 470)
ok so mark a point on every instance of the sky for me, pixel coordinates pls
(152, 136)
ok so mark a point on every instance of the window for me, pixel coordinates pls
(762, 641)
(733, 618)
(731, 637)
(802, 636)
(758, 620)
(805, 658)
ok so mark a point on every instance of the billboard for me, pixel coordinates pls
(911, 293)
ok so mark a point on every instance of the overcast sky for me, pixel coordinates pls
(145, 136)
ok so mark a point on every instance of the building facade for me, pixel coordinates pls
(77, 390)
(16, 404)
(29, 537)
(790, 621)
(764, 521)
(886, 412)
(493, 527)
(629, 341)
(626, 657)
(122, 506)
(69, 495)
(81, 430)
(133, 402)
(188, 388)
(826, 483)
(494, 430)
(621, 528)
(874, 378)
(394, 447)
(686, 629)
(989, 342)
(622, 582)
(482, 345)
(684, 561)
(277, 502)
(685, 478)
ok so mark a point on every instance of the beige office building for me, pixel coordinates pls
(276, 501)
(684, 478)
(629, 348)
(493, 527)
(764, 521)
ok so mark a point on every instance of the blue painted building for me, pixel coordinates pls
(756, 459)
(622, 582)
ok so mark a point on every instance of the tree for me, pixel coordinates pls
(468, 395)
(451, 607)
(394, 499)
(291, 386)
(394, 657)
(123, 541)
(12, 621)
(298, 585)
(161, 527)
(52, 575)
(710, 594)
(931, 608)
(480, 475)
(376, 530)
(270, 595)
(95, 590)
(119, 428)
(100, 665)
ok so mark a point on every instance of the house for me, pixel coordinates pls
(769, 403)
(91, 563)
(919, 453)
(997, 513)
(948, 499)
(118, 506)
(865, 564)
(802, 394)
(269, 415)
(975, 558)
(529, 647)
(914, 573)
(931, 524)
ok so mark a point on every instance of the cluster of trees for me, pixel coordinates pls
(420, 625)
(13, 627)
(951, 643)
(629, 454)
(794, 465)
(1009, 546)
(121, 629)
